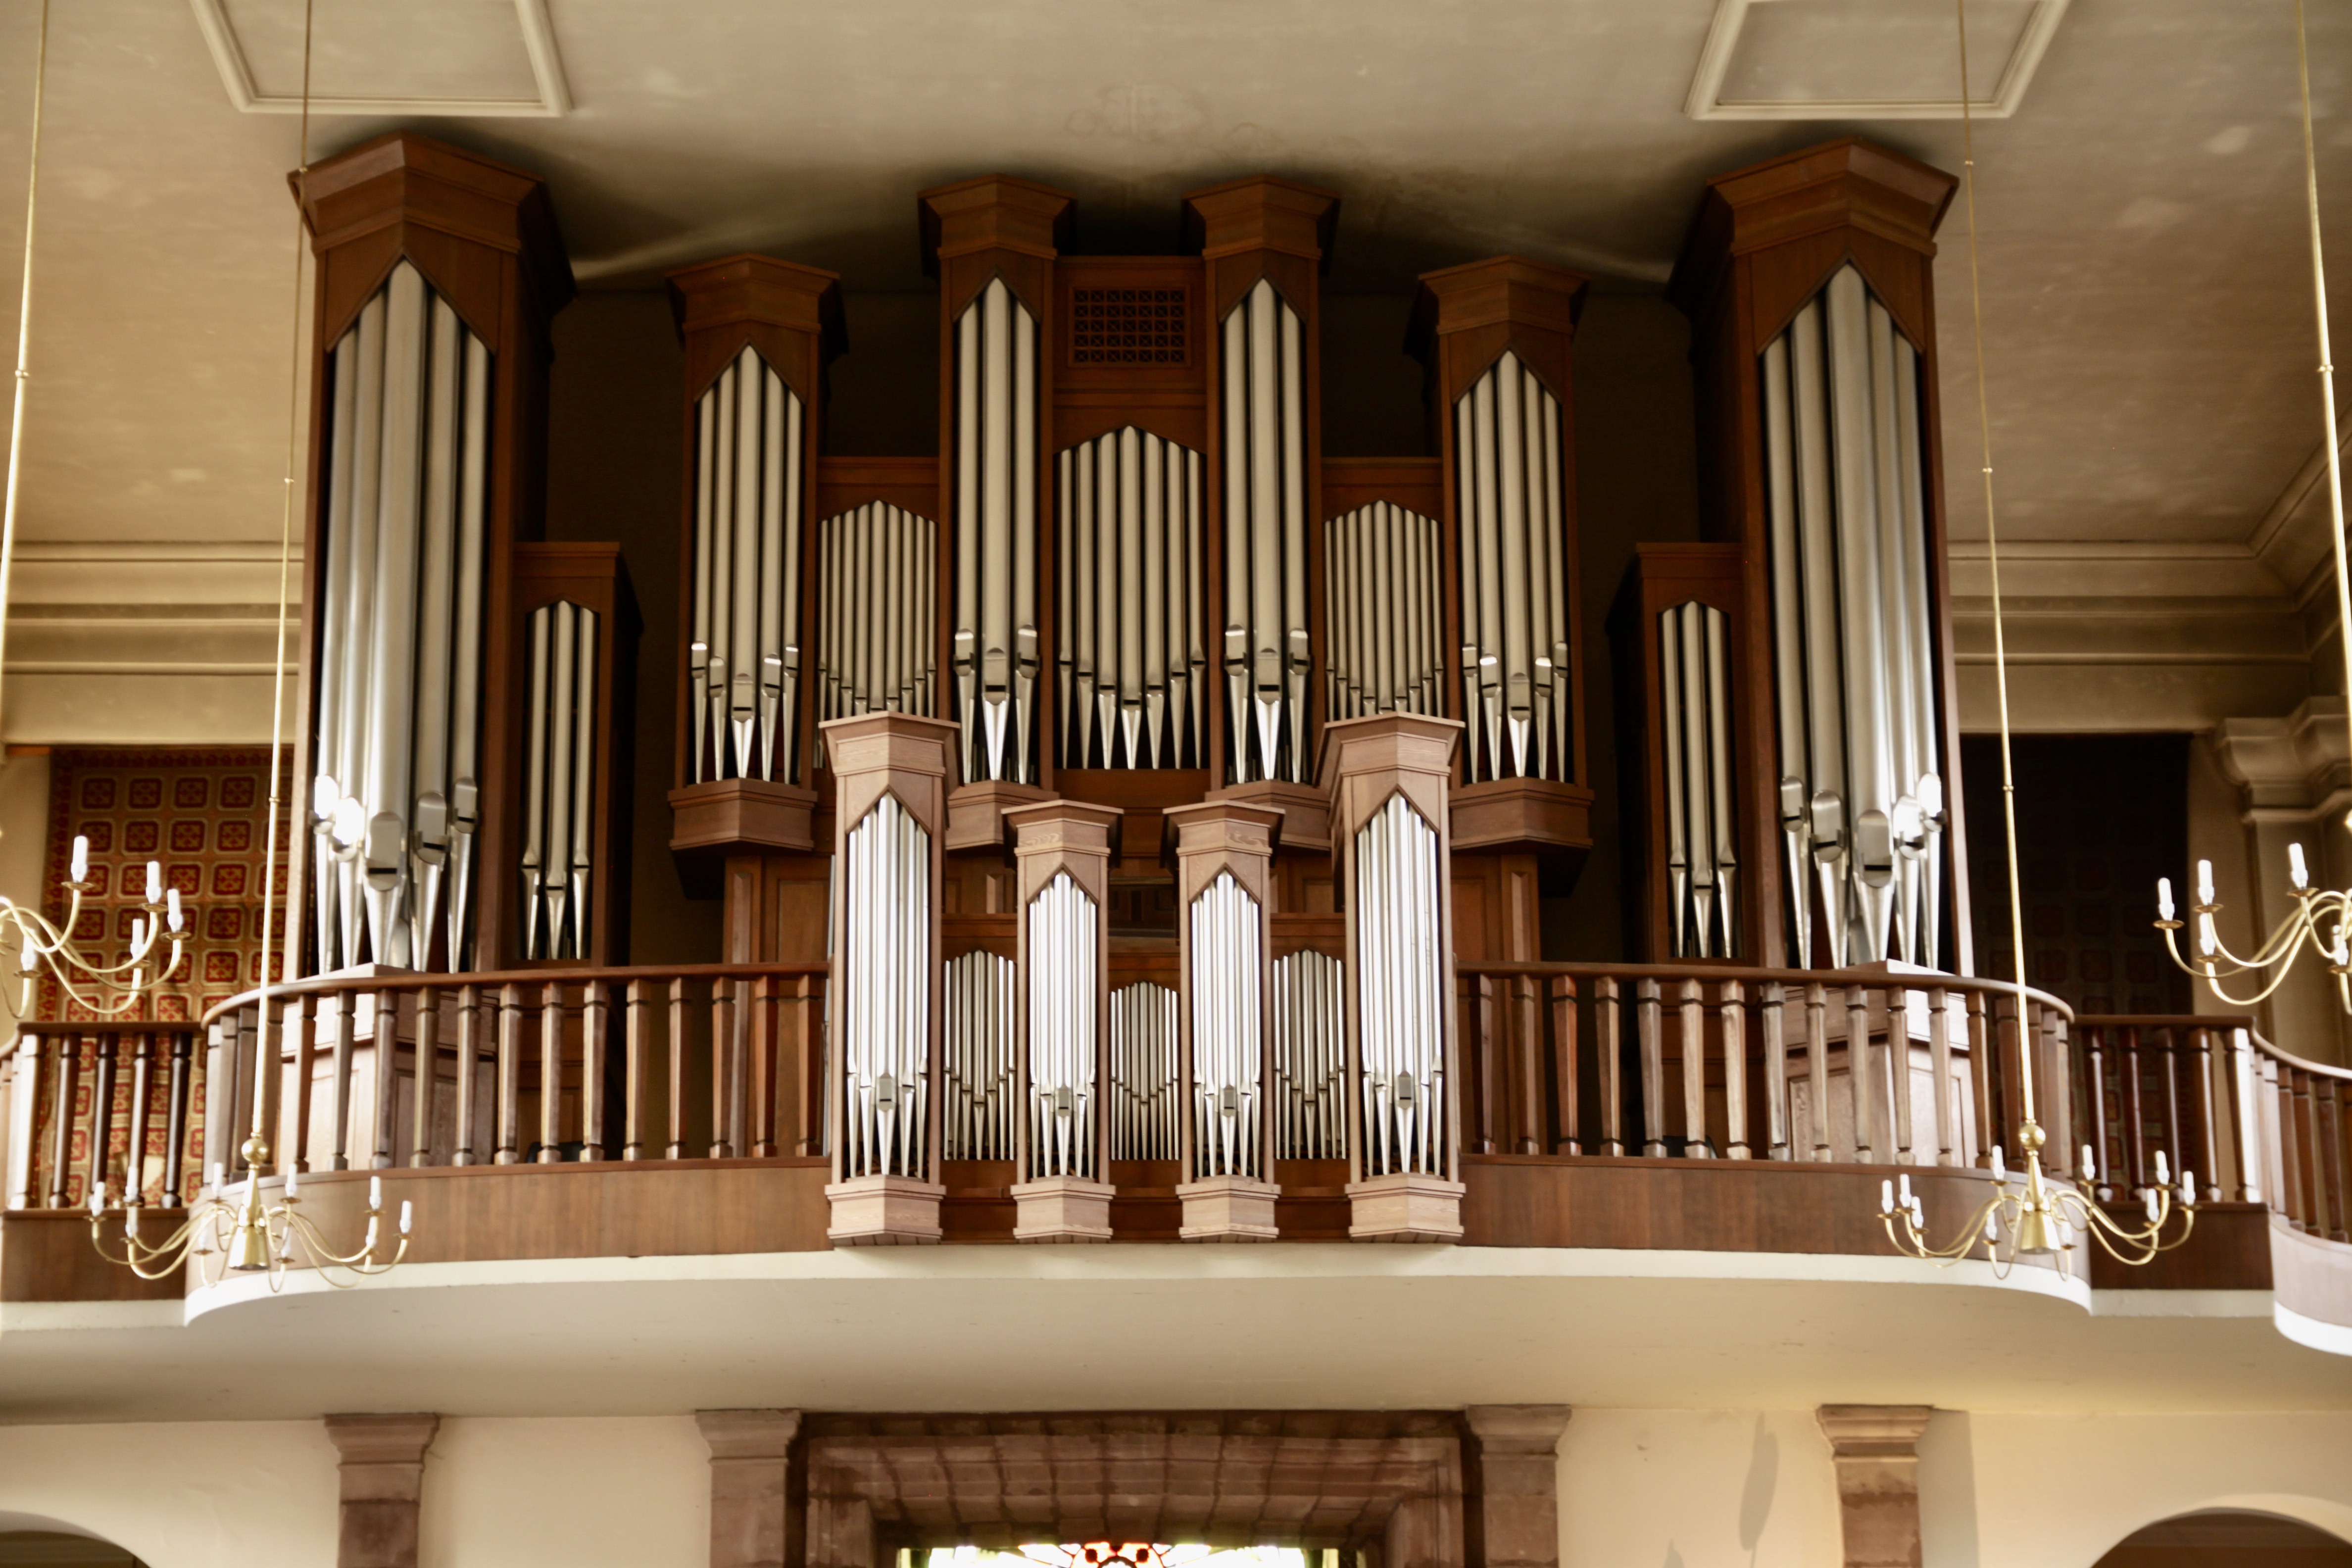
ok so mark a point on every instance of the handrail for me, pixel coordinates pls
(332, 984)
(1911, 979)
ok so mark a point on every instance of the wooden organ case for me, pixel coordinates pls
(1135, 594)
(466, 687)
(1788, 687)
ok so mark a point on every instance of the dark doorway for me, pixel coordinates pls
(2099, 820)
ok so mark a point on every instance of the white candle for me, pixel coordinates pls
(1904, 1187)
(1992, 1227)
(138, 932)
(2152, 1205)
(2204, 882)
(2207, 943)
(1999, 1166)
(2188, 1188)
(292, 1176)
(1887, 1197)
(97, 1199)
(81, 858)
(2296, 871)
(2164, 897)
(172, 899)
(375, 1192)
(155, 882)
(403, 1216)
(2090, 1166)
(370, 1232)
(2163, 1170)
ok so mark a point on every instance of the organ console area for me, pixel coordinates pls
(1140, 766)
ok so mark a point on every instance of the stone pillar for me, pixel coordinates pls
(1064, 1021)
(891, 774)
(1387, 776)
(1516, 1510)
(381, 1477)
(1877, 1450)
(2292, 777)
(1224, 1006)
(750, 1504)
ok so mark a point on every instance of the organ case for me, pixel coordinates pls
(437, 272)
(1809, 281)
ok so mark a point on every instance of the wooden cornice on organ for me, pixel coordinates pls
(1766, 240)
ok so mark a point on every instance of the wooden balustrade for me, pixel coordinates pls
(112, 1103)
(383, 1069)
(1675, 1061)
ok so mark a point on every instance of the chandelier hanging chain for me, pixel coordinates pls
(2322, 919)
(84, 978)
(2033, 1218)
(244, 1234)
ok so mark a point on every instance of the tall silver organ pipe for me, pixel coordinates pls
(1227, 1038)
(1694, 710)
(1063, 1054)
(743, 661)
(395, 798)
(885, 1018)
(1267, 657)
(877, 581)
(1146, 1092)
(1402, 1000)
(1310, 1058)
(1511, 501)
(559, 781)
(1381, 616)
(1861, 800)
(1132, 666)
(995, 643)
(980, 1082)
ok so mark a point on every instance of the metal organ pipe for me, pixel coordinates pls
(395, 799)
(743, 657)
(559, 781)
(1064, 1055)
(1515, 655)
(1128, 592)
(876, 563)
(1146, 1094)
(1854, 670)
(1310, 1058)
(886, 960)
(996, 634)
(1694, 709)
(1228, 1043)
(1381, 604)
(1267, 657)
(1402, 1007)
(977, 1077)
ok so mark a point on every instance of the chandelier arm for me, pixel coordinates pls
(2333, 435)
(23, 332)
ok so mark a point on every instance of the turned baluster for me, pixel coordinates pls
(2129, 1063)
(677, 1068)
(384, 1019)
(339, 1153)
(425, 1061)
(595, 1051)
(1691, 1023)
(634, 1110)
(764, 1084)
(1864, 1078)
(2209, 1146)
(1563, 1046)
(1980, 1089)
(176, 1094)
(725, 1104)
(142, 1108)
(1774, 1008)
(470, 1055)
(1733, 1011)
(1607, 1035)
(1898, 1070)
(508, 1113)
(550, 1074)
(1653, 1070)
(61, 1119)
(100, 1160)
(1939, 1064)
(1816, 1066)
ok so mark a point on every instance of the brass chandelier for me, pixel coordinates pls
(2318, 924)
(2035, 1217)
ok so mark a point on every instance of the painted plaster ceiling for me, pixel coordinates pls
(2147, 318)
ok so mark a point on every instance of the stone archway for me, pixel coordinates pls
(2232, 1536)
(1470, 1489)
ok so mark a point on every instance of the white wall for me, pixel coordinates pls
(567, 1492)
(1697, 1488)
(247, 1494)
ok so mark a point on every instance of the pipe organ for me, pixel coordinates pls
(1228, 1031)
(1267, 654)
(437, 271)
(1146, 1087)
(878, 566)
(1861, 797)
(1310, 1058)
(743, 657)
(1132, 669)
(1381, 578)
(559, 781)
(1810, 283)
(979, 1084)
(996, 638)
(1064, 1047)
(1695, 728)
(886, 1005)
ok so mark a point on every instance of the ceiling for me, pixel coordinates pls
(2146, 310)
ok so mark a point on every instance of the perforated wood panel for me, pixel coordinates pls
(1128, 326)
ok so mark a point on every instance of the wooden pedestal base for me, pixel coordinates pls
(738, 815)
(1306, 811)
(1531, 815)
(884, 1211)
(1228, 1208)
(1062, 1208)
(976, 813)
(1405, 1208)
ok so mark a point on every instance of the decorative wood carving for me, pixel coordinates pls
(1875, 1448)
(1766, 239)
(381, 1476)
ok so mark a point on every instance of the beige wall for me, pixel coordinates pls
(1697, 1488)
(573, 1492)
(254, 1494)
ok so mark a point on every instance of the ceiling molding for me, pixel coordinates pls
(553, 100)
(1706, 102)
